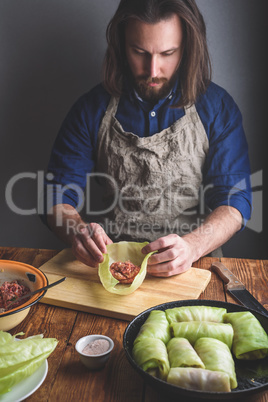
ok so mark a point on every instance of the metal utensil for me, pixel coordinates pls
(2, 310)
(237, 288)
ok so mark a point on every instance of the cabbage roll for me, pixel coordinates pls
(182, 354)
(199, 379)
(156, 326)
(217, 357)
(250, 339)
(195, 313)
(151, 355)
(194, 330)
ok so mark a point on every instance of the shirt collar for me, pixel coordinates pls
(142, 100)
(135, 97)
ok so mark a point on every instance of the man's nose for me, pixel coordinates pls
(154, 66)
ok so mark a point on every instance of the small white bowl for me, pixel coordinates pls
(93, 362)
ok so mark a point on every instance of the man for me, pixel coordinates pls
(162, 139)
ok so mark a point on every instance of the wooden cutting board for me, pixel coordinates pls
(83, 291)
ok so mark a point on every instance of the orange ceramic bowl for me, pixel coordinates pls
(26, 275)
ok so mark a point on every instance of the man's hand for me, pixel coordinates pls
(174, 256)
(88, 241)
(89, 244)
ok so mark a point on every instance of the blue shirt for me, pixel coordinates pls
(226, 173)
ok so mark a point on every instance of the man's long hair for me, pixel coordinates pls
(194, 72)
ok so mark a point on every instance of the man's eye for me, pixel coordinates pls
(168, 53)
(137, 51)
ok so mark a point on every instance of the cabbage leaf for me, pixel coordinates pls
(123, 251)
(19, 360)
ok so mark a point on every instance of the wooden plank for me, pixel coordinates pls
(253, 274)
(83, 290)
(32, 256)
(53, 323)
(119, 385)
(215, 288)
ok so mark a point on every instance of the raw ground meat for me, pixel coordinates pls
(9, 291)
(124, 272)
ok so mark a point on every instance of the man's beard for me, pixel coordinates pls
(153, 94)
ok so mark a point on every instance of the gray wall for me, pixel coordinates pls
(51, 53)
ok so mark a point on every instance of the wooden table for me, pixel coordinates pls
(68, 380)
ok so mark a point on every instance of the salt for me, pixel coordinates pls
(96, 347)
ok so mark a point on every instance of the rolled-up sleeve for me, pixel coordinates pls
(70, 161)
(73, 156)
(227, 167)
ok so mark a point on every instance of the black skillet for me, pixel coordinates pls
(252, 376)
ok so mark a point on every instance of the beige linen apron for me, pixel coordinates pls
(151, 183)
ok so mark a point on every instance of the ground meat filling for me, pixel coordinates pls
(10, 291)
(124, 272)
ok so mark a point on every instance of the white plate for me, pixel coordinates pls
(27, 386)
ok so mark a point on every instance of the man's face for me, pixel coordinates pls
(154, 52)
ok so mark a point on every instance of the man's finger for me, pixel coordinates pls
(162, 256)
(161, 244)
(82, 254)
(98, 235)
(90, 245)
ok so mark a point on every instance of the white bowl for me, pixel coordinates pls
(93, 362)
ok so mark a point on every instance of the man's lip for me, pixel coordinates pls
(153, 84)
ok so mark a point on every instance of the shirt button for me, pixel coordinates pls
(153, 113)
(170, 97)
